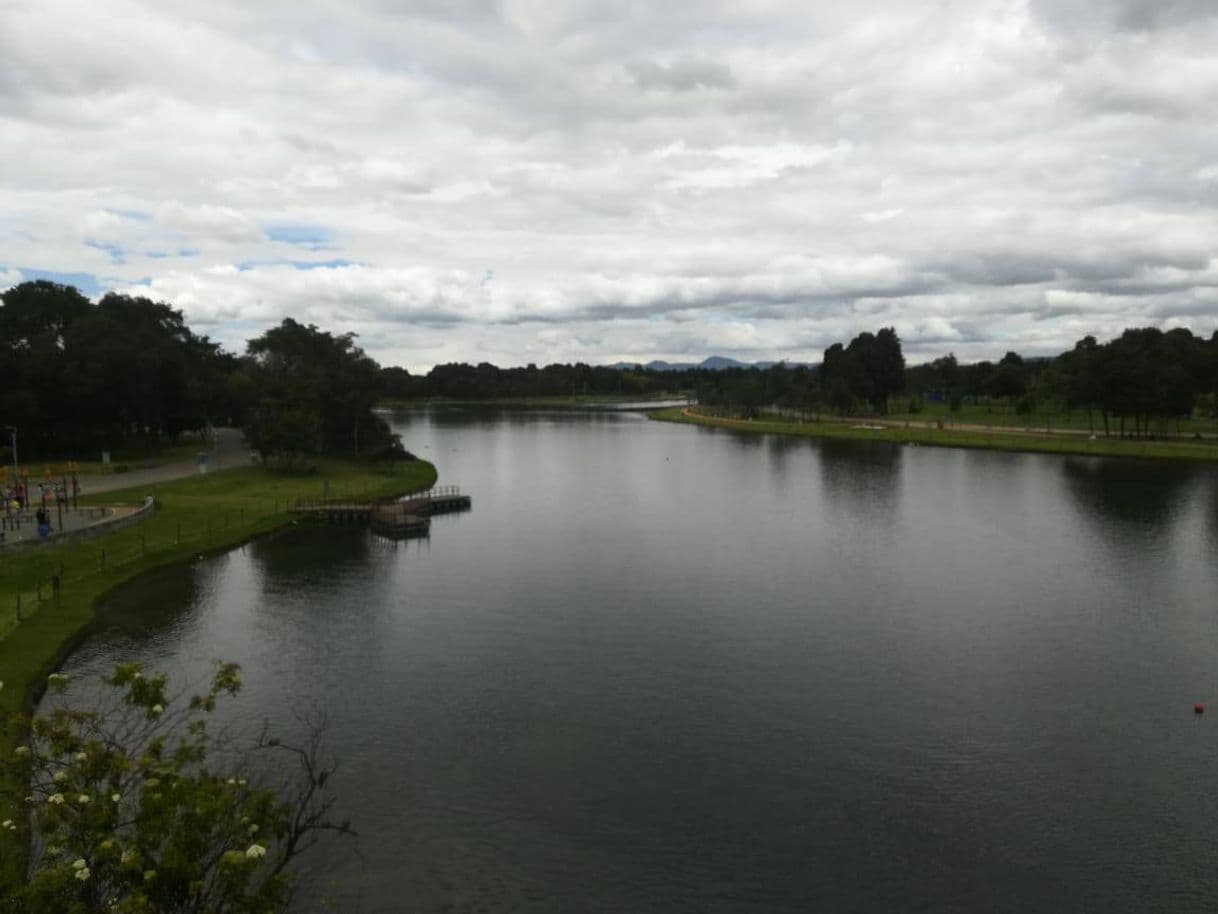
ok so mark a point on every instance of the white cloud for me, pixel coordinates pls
(664, 180)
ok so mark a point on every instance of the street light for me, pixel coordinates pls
(12, 430)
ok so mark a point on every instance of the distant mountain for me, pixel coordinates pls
(713, 363)
(718, 363)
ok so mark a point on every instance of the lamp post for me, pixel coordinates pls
(12, 430)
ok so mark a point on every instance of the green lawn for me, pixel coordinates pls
(948, 437)
(197, 515)
(1004, 416)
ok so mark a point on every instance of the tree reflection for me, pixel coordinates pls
(155, 601)
(862, 476)
(1140, 495)
(296, 557)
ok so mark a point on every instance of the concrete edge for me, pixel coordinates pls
(75, 536)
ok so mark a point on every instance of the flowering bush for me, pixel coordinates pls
(126, 815)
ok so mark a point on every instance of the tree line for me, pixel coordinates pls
(78, 377)
(1134, 385)
(128, 373)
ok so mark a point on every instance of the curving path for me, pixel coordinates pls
(228, 451)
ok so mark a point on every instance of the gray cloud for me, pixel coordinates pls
(523, 180)
(681, 75)
(1123, 15)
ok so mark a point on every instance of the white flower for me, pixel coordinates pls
(79, 863)
(80, 757)
(22, 751)
(59, 777)
(82, 874)
(31, 799)
(149, 875)
(6, 823)
(115, 797)
(152, 782)
(84, 798)
(155, 710)
(255, 851)
(55, 799)
(253, 829)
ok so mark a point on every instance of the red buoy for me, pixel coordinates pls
(1198, 708)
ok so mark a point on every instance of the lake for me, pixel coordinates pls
(660, 668)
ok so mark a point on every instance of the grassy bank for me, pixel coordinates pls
(1003, 415)
(194, 516)
(1000, 440)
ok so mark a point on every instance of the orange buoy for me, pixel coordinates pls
(1198, 708)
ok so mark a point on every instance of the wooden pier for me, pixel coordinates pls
(397, 518)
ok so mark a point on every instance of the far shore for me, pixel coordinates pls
(998, 438)
(576, 402)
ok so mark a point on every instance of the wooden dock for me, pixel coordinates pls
(397, 518)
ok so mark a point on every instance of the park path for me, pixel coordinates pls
(228, 451)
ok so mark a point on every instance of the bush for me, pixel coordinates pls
(127, 814)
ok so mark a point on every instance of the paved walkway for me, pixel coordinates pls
(228, 451)
(67, 521)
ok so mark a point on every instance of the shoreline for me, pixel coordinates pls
(994, 439)
(578, 402)
(32, 649)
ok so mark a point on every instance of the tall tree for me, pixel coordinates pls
(314, 394)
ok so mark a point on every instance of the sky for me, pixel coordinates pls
(520, 181)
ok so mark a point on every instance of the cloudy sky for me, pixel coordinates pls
(534, 180)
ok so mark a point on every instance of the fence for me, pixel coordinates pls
(345, 501)
(105, 557)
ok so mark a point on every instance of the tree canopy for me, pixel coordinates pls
(80, 376)
(313, 393)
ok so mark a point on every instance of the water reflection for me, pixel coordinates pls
(860, 475)
(1126, 493)
(297, 557)
(475, 415)
(154, 602)
(1212, 514)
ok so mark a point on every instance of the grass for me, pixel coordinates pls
(194, 516)
(997, 440)
(1001, 415)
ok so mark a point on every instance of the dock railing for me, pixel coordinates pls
(348, 501)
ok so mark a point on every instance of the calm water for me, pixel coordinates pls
(659, 668)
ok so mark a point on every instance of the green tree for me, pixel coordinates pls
(314, 394)
(81, 375)
(129, 813)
